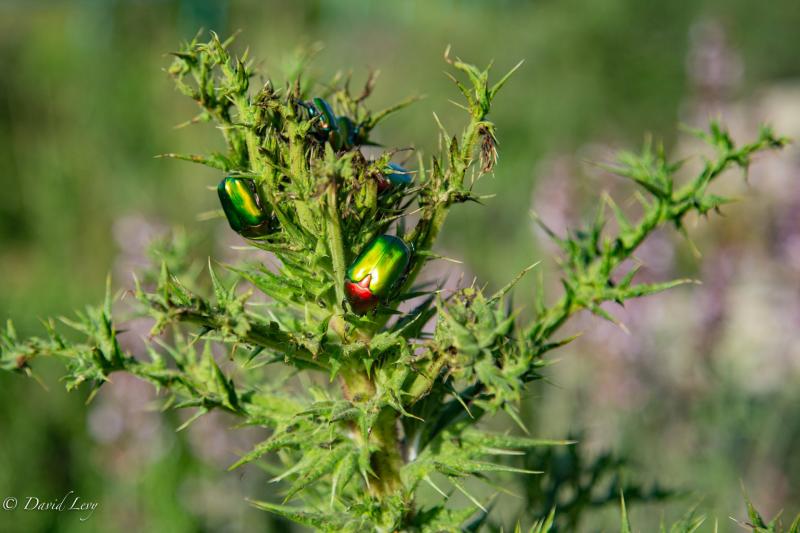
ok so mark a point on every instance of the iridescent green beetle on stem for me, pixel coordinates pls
(247, 214)
(327, 121)
(340, 131)
(326, 127)
(320, 110)
(376, 272)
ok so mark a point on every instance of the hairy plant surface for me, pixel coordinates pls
(403, 389)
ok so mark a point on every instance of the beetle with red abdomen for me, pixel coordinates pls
(376, 272)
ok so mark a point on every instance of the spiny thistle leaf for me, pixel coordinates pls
(626, 523)
(323, 521)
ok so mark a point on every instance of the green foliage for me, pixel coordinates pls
(408, 404)
(759, 525)
(575, 483)
(691, 521)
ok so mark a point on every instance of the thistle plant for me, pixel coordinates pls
(392, 395)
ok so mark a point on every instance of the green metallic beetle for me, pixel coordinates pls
(376, 272)
(340, 131)
(326, 124)
(246, 212)
(327, 121)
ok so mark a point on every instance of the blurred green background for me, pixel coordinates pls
(703, 394)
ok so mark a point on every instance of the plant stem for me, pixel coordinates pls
(336, 244)
(387, 461)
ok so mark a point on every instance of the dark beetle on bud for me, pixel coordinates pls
(394, 176)
(341, 131)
